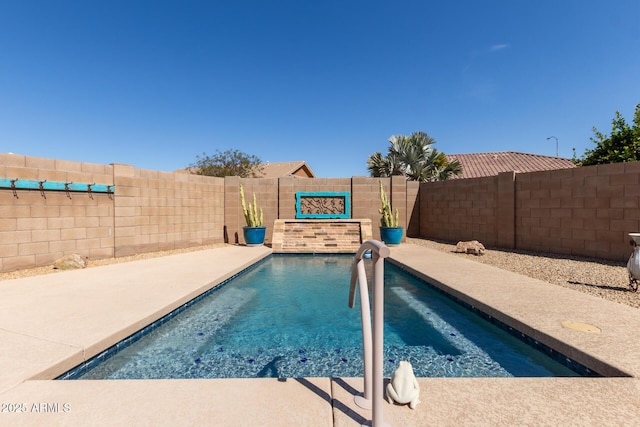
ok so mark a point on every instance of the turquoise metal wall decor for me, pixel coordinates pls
(44, 185)
(323, 205)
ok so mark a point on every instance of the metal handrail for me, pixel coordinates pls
(373, 372)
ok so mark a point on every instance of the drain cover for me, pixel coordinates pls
(582, 327)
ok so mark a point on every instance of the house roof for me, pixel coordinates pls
(278, 169)
(488, 164)
(298, 169)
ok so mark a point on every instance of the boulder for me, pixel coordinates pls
(70, 262)
(470, 247)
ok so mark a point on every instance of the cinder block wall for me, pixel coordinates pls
(586, 211)
(36, 228)
(153, 210)
(413, 209)
(157, 211)
(289, 186)
(266, 191)
(150, 211)
(366, 200)
(277, 196)
(461, 209)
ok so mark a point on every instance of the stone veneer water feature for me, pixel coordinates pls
(320, 236)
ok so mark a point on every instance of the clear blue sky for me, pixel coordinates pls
(155, 83)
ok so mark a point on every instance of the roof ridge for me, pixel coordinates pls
(495, 153)
(492, 163)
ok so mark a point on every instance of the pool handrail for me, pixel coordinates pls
(373, 370)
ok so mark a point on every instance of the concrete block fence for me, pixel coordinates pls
(277, 197)
(586, 211)
(150, 210)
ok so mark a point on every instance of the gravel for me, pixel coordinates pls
(602, 278)
(605, 279)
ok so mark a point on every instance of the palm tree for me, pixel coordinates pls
(379, 166)
(443, 168)
(413, 157)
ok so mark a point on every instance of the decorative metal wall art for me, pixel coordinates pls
(323, 205)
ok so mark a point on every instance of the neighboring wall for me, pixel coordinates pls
(37, 228)
(150, 211)
(586, 211)
(460, 209)
(157, 211)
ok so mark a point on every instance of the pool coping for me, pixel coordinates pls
(44, 332)
(536, 308)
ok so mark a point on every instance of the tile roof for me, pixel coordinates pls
(298, 169)
(488, 164)
(278, 169)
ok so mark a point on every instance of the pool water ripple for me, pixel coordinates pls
(288, 317)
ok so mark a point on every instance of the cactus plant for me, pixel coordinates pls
(251, 212)
(388, 218)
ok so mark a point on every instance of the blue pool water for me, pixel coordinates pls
(288, 317)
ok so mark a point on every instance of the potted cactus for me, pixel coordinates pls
(254, 231)
(390, 230)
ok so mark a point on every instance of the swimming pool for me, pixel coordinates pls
(288, 317)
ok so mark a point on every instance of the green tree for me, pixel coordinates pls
(623, 145)
(227, 163)
(414, 157)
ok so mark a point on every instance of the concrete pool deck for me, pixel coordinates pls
(51, 323)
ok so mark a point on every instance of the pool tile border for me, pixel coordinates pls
(559, 357)
(564, 360)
